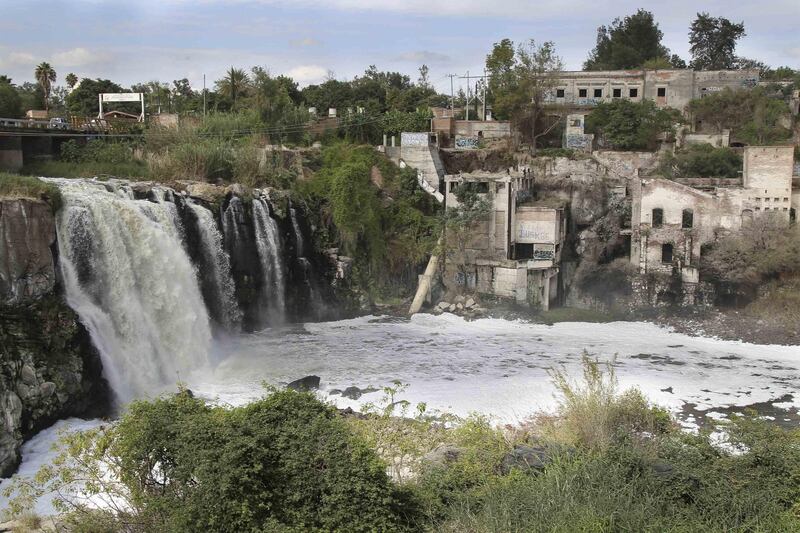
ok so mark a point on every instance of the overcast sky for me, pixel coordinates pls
(141, 40)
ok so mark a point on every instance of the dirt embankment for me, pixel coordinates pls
(732, 325)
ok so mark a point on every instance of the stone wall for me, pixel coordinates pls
(48, 367)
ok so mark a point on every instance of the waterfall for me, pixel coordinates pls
(218, 265)
(268, 243)
(131, 282)
(232, 218)
(298, 234)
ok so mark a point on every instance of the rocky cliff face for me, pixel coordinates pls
(48, 367)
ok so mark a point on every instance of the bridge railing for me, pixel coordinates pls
(24, 123)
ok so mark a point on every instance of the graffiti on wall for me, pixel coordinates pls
(467, 143)
(413, 139)
(579, 141)
(533, 231)
(544, 252)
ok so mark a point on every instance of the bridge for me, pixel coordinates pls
(23, 141)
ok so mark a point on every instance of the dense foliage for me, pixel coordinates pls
(631, 43)
(10, 101)
(375, 211)
(701, 161)
(766, 247)
(82, 101)
(283, 463)
(626, 125)
(753, 116)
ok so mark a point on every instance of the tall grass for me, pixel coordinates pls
(14, 186)
(618, 464)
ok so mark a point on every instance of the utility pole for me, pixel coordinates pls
(452, 96)
(204, 96)
(485, 83)
(468, 96)
(468, 77)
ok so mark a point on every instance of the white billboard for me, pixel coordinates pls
(121, 97)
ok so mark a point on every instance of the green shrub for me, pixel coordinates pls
(376, 212)
(702, 161)
(556, 152)
(283, 463)
(626, 125)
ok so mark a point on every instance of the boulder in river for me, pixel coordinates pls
(304, 384)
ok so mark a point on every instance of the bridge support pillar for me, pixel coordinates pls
(10, 153)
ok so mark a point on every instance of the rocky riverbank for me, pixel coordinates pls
(730, 325)
(48, 367)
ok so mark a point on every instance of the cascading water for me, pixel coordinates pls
(306, 267)
(232, 218)
(131, 282)
(218, 264)
(268, 243)
(298, 234)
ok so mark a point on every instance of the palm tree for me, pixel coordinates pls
(46, 76)
(233, 84)
(72, 80)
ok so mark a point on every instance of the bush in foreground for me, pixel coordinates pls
(284, 463)
(605, 461)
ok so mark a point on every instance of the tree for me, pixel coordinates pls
(31, 95)
(45, 76)
(233, 85)
(10, 102)
(744, 63)
(83, 100)
(522, 83)
(713, 42)
(424, 80)
(502, 80)
(72, 80)
(460, 223)
(627, 43)
(627, 125)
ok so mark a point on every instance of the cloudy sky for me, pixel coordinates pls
(134, 41)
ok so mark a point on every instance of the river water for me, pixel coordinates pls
(491, 366)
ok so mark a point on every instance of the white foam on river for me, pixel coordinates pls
(492, 366)
(496, 366)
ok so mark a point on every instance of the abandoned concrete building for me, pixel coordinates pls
(672, 220)
(516, 252)
(667, 88)
(580, 91)
(453, 133)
